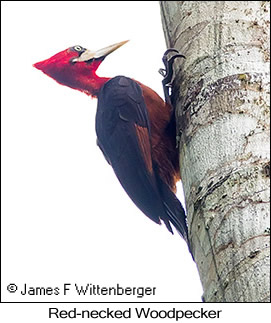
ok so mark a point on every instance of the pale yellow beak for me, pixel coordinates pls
(89, 54)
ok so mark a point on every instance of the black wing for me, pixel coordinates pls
(123, 134)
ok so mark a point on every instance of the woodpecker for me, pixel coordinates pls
(135, 129)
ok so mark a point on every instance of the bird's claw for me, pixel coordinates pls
(162, 71)
(167, 72)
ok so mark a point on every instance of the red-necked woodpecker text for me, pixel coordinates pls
(174, 314)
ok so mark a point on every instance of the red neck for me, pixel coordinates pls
(92, 85)
(86, 79)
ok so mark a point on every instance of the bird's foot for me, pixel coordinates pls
(167, 72)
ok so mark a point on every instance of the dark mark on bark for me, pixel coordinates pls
(210, 184)
(199, 190)
(266, 169)
(254, 253)
(198, 95)
(210, 190)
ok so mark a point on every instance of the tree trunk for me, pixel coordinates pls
(221, 96)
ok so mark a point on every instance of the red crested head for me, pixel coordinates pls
(76, 67)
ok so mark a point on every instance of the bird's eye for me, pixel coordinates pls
(78, 48)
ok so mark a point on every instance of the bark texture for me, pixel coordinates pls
(221, 94)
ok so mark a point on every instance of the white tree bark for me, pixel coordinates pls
(221, 94)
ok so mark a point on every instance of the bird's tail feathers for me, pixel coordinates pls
(175, 212)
